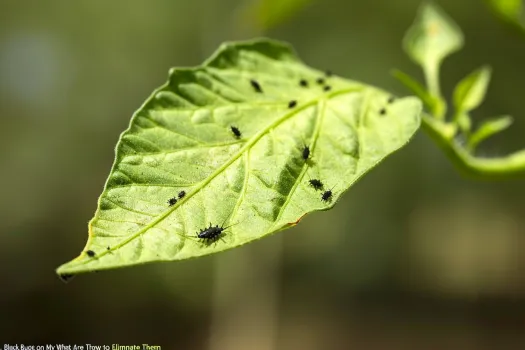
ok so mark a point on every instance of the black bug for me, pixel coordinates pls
(391, 99)
(382, 111)
(327, 88)
(292, 104)
(213, 233)
(306, 152)
(90, 253)
(256, 86)
(108, 248)
(236, 131)
(326, 196)
(320, 81)
(182, 194)
(316, 184)
(328, 73)
(172, 201)
(66, 277)
(303, 83)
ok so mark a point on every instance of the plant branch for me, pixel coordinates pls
(510, 166)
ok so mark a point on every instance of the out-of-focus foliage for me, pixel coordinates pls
(269, 13)
(468, 95)
(470, 91)
(432, 37)
(510, 11)
(488, 128)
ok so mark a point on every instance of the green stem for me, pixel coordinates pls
(510, 166)
(438, 106)
(432, 79)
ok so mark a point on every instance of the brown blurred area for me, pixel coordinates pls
(413, 257)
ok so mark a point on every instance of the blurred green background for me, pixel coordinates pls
(413, 257)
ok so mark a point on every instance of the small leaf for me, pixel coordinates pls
(487, 129)
(432, 37)
(253, 179)
(435, 104)
(470, 91)
(510, 11)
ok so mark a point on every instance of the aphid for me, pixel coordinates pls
(326, 196)
(213, 233)
(172, 201)
(256, 86)
(316, 184)
(108, 248)
(66, 277)
(292, 104)
(320, 81)
(306, 152)
(90, 253)
(182, 194)
(391, 99)
(382, 111)
(327, 88)
(328, 73)
(236, 131)
(303, 83)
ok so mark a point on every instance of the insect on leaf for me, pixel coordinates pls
(256, 183)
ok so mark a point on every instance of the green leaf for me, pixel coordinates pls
(435, 104)
(273, 12)
(255, 184)
(510, 11)
(487, 129)
(432, 37)
(470, 91)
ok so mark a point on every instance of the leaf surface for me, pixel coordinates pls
(256, 183)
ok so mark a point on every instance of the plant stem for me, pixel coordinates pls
(510, 166)
(438, 107)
